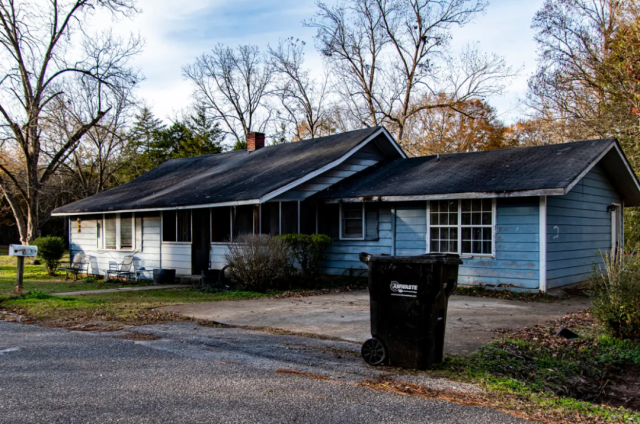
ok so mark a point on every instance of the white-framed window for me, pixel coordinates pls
(176, 226)
(118, 231)
(465, 226)
(352, 221)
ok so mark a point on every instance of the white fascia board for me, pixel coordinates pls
(174, 208)
(470, 195)
(324, 169)
(394, 143)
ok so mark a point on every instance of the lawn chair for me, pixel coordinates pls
(122, 270)
(75, 267)
(93, 266)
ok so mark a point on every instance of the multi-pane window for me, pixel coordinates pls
(462, 226)
(352, 221)
(118, 229)
(444, 226)
(176, 226)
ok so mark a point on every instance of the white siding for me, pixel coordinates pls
(89, 242)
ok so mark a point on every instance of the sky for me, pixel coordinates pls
(176, 36)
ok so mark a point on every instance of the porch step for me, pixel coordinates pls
(190, 279)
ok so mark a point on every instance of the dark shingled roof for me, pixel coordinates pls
(496, 171)
(233, 176)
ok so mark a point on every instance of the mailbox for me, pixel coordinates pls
(22, 250)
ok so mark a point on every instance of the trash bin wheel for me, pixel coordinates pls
(374, 352)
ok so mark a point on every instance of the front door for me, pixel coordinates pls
(201, 245)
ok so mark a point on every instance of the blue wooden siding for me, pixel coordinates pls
(342, 256)
(517, 256)
(411, 229)
(517, 261)
(579, 229)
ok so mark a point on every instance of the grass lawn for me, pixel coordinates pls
(534, 374)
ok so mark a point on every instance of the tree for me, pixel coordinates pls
(475, 127)
(386, 54)
(195, 135)
(141, 139)
(234, 84)
(46, 51)
(303, 99)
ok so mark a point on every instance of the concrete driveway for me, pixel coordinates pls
(346, 316)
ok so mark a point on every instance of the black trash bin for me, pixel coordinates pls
(164, 276)
(409, 297)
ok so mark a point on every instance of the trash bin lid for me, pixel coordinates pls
(429, 258)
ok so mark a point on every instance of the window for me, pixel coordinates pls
(462, 226)
(352, 221)
(119, 231)
(176, 226)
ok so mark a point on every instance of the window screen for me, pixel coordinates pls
(270, 218)
(126, 231)
(352, 220)
(110, 231)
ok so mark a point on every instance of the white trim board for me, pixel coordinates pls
(330, 166)
(542, 244)
(174, 208)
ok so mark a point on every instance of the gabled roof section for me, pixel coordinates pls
(526, 171)
(239, 177)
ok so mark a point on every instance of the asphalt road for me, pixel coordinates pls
(197, 374)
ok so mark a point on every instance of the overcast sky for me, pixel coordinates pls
(175, 36)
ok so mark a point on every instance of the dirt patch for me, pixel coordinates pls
(623, 389)
(138, 337)
(514, 405)
(318, 292)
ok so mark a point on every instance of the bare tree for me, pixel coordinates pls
(94, 165)
(234, 83)
(304, 100)
(45, 51)
(389, 53)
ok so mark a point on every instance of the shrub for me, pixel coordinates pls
(256, 260)
(308, 251)
(50, 250)
(615, 295)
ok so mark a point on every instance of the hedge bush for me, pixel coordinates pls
(50, 250)
(256, 260)
(308, 250)
(615, 295)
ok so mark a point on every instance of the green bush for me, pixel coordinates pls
(308, 251)
(615, 296)
(50, 250)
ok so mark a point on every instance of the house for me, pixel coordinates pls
(529, 218)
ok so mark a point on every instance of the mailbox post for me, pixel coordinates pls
(20, 251)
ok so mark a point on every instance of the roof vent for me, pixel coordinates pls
(255, 141)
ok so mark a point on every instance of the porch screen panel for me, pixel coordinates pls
(307, 218)
(242, 220)
(110, 231)
(289, 217)
(126, 231)
(184, 225)
(220, 224)
(169, 226)
(270, 215)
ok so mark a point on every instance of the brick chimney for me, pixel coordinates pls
(255, 141)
